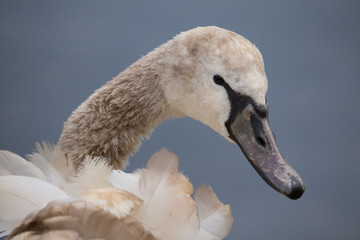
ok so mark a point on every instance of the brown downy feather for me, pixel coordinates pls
(79, 219)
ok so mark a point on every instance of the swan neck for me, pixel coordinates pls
(112, 121)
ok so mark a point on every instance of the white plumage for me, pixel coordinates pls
(21, 195)
(154, 202)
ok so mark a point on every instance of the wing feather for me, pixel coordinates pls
(21, 195)
(13, 164)
(215, 217)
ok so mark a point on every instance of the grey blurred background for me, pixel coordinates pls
(54, 54)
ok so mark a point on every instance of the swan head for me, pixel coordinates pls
(218, 77)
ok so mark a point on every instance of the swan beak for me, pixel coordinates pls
(249, 128)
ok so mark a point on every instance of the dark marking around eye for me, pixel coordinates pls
(219, 80)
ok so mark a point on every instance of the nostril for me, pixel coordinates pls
(258, 130)
(261, 141)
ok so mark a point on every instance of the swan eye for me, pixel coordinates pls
(219, 80)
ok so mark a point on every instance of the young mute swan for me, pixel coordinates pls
(210, 74)
(207, 73)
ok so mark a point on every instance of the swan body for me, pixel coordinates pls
(152, 203)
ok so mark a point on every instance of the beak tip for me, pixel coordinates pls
(297, 189)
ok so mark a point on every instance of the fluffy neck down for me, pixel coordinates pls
(111, 122)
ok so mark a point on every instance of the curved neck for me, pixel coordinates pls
(111, 122)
